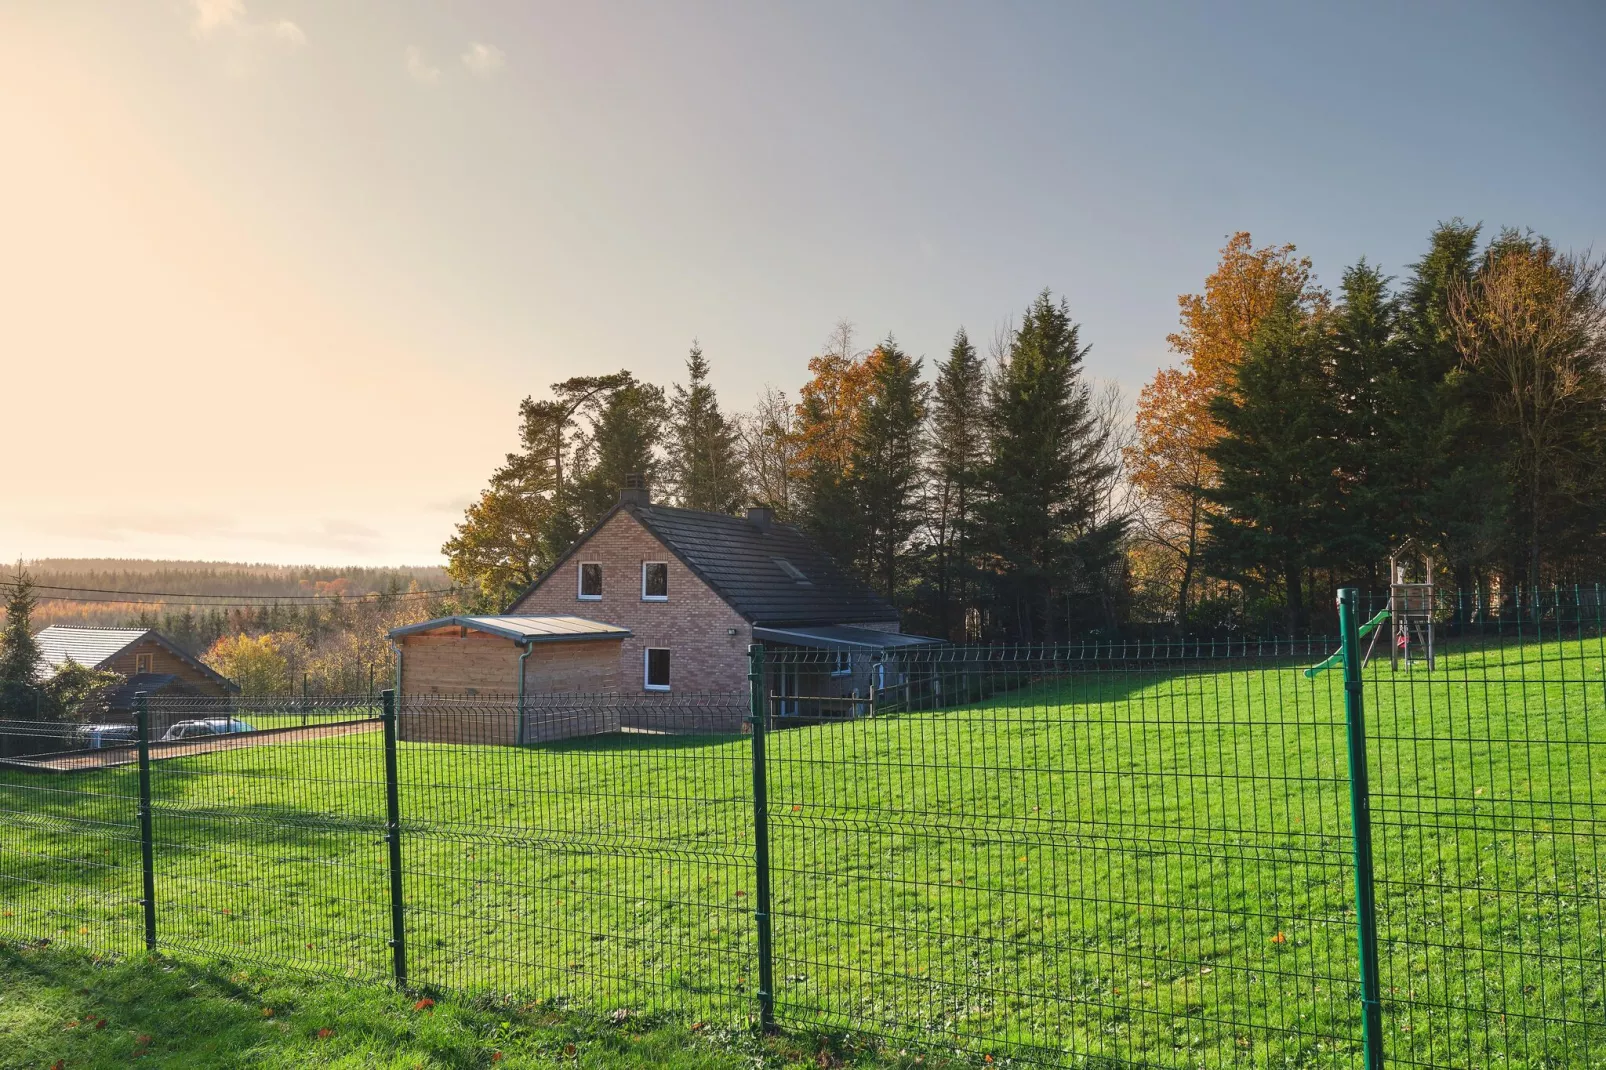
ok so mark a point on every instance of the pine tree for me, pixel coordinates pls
(1370, 402)
(886, 462)
(624, 441)
(958, 415)
(703, 464)
(1043, 476)
(19, 652)
(1458, 495)
(1275, 460)
(530, 513)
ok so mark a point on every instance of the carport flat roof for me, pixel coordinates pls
(841, 637)
(523, 629)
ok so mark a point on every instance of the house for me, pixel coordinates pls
(147, 660)
(494, 679)
(695, 589)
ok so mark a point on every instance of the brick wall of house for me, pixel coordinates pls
(707, 639)
(127, 662)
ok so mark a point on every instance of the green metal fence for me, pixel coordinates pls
(1183, 855)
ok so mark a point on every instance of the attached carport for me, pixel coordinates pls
(836, 670)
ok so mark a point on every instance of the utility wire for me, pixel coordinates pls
(255, 598)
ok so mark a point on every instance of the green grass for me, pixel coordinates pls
(1136, 866)
(66, 1010)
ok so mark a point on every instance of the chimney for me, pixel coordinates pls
(761, 517)
(635, 490)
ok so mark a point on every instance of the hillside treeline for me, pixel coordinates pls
(1005, 496)
(273, 629)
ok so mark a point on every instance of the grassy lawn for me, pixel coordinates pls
(1145, 866)
(69, 1011)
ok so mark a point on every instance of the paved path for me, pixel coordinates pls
(108, 757)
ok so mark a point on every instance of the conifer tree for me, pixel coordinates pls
(1457, 493)
(958, 414)
(624, 441)
(19, 652)
(1366, 353)
(1275, 460)
(529, 514)
(703, 463)
(885, 462)
(1043, 475)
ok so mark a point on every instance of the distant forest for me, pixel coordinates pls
(272, 628)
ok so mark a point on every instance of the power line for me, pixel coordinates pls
(274, 597)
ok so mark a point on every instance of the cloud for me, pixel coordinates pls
(482, 60)
(213, 15)
(419, 69)
(218, 16)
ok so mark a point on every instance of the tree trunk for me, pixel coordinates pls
(1294, 596)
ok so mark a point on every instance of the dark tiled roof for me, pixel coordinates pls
(742, 563)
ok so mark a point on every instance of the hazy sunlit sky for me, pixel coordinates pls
(274, 274)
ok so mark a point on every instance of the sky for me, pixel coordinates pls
(275, 274)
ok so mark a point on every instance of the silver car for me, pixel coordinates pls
(211, 726)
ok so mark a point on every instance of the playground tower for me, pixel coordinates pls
(1410, 605)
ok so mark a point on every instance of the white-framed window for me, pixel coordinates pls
(655, 581)
(655, 668)
(589, 581)
(142, 663)
(841, 663)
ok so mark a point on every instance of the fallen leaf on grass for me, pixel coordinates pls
(424, 1004)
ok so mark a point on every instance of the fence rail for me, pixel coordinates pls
(1157, 855)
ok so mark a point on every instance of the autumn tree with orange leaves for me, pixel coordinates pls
(1169, 465)
(828, 414)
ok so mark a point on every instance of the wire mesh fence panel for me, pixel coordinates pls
(1069, 857)
(1489, 808)
(69, 840)
(606, 864)
(269, 842)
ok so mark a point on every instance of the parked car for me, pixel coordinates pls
(211, 726)
(96, 736)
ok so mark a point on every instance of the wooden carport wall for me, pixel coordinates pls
(455, 658)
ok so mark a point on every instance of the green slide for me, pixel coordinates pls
(1338, 655)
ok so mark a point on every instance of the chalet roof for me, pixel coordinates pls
(522, 629)
(93, 647)
(771, 574)
(59, 644)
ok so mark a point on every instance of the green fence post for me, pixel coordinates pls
(398, 923)
(1361, 823)
(757, 717)
(147, 837)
